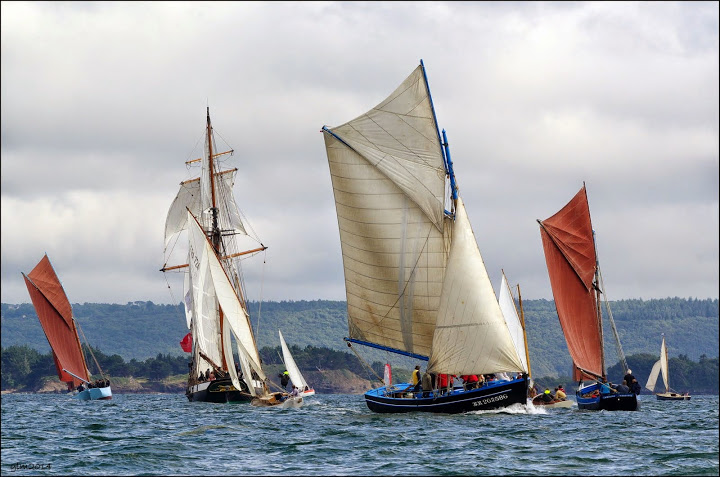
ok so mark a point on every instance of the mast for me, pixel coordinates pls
(598, 307)
(522, 322)
(667, 373)
(215, 231)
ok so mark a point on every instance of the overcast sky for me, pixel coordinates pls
(103, 102)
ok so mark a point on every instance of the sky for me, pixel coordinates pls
(102, 103)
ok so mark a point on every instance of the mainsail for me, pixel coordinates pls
(295, 375)
(570, 255)
(55, 313)
(414, 278)
(660, 366)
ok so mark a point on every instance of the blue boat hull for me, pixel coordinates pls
(93, 394)
(606, 402)
(495, 395)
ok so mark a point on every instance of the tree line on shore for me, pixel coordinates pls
(25, 369)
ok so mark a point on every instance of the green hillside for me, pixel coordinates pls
(141, 330)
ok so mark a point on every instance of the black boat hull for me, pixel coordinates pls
(218, 391)
(591, 399)
(491, 396)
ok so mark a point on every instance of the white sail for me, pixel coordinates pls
(295, 375)
(206, 321)
(388, 179)
(664, 365)
(471, 335)
(652, 379)
(509, 311)
(233, 310)
(188, 197)
(187, 300)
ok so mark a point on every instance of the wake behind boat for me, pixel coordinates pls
(415, 281)
(56, 317)
(571, 256)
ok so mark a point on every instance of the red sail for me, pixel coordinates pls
(569, 248)
(55, 314)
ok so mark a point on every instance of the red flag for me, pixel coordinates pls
(186, 343)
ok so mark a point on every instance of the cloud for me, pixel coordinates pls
(102, 103)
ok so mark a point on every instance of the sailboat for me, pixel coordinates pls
(214, 297)
(661, 365)
(415, 281)
(571, 256)
(56, 318)
(516, 324)
(296, 376)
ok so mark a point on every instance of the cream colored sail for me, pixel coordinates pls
(471, 335)
(295, 375)
(652, 379)
(389, 184)
(509, 311)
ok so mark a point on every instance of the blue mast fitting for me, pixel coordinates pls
(432, 106)
(385, 348)
(449, 166)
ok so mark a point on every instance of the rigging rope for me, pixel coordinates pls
(91, 351)
(365, 363)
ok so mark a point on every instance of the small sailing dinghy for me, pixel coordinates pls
(571, 256)
(661, 367)
(415, 281)
(56, 318)
(215, 306)
(296, 376)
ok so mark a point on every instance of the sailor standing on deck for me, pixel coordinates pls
(416, 379)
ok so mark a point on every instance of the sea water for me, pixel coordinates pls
(164, 434)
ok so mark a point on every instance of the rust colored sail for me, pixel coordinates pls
(569, 249)
(55, 313)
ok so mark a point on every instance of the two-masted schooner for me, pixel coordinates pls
(214, 295)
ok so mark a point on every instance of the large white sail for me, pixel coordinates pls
(388, 179)
(509, 311)
(205, 314)
(233, 310)
(471, 336)
(295, 375)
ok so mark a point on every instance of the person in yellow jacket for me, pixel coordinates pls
(416, 382)
(560, 394)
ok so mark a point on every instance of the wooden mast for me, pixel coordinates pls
(522, 322)
(215, 232)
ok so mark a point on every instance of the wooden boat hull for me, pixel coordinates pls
(672, 397)
(218, 391)
(279, 400)
(605, 402)
(491, 396)
(554, 405)
(94, 394)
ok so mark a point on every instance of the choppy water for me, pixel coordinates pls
(164, 434)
